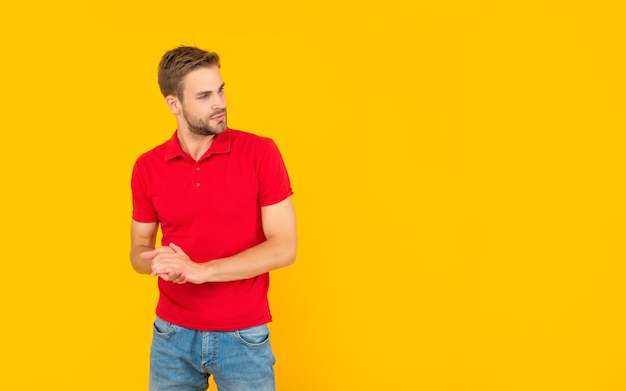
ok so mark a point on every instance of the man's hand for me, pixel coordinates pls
(172, 264)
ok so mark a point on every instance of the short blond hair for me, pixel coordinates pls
(178, 62)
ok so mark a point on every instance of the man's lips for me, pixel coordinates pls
(219, 117)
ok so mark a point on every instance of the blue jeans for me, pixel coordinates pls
(182, 359)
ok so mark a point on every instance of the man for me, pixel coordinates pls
(222, 199)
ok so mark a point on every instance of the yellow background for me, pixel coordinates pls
(459, 174)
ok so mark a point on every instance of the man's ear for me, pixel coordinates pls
(173, 103)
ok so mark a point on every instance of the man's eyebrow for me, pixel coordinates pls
(209, 92)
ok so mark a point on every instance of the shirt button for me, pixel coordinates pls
(197, 168)
(197, 184)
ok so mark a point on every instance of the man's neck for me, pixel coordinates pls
(193, 144)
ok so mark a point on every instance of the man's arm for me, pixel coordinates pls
(279, 250)
(142, 239)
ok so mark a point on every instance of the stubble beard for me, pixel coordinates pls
(201, 126)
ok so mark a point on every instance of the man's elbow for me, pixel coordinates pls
(291, 259)
(139, 265)
(289, 256)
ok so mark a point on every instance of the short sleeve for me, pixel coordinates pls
(143, 209)
(274, 183)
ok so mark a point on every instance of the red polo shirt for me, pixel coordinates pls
(211, 209)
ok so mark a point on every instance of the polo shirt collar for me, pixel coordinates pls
(220, 144)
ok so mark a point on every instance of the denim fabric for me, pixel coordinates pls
(182, 359)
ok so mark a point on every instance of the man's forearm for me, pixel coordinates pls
(262, 258)
(142, 266)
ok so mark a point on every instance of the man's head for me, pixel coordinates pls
(192, 85)
(177, 63)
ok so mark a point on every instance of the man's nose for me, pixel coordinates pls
(219, 102)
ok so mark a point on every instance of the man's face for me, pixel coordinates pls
(203, 101)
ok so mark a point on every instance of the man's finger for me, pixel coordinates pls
(153, 253)
(176, 248)
(147, 254)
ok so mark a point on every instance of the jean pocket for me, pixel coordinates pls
(163, 328)
(254, 336)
